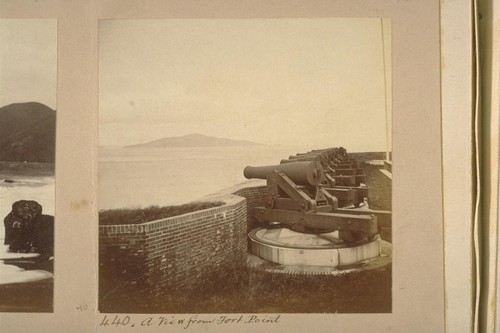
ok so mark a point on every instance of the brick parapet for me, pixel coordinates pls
(153, 258)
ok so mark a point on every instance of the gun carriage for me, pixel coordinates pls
(296, 197)
(311, 218)
(344, 177)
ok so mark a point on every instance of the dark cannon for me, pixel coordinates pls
(304, 158)
(303, 173)
(296, 198)
(326, 150)
(338, 168)
(343, 183)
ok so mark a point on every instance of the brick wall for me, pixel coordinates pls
(154, 258)
(123, 263)
(150, 261)
(255, 198)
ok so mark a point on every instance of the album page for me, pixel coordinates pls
(224, 166)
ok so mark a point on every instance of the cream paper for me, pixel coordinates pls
(418, 266)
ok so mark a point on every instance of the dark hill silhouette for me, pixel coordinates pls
(193, 140)
(27, 133)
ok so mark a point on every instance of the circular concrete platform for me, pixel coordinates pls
(313, 253)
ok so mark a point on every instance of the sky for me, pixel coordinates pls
(28, 61)
(274, 81)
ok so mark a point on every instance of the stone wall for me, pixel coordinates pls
(154, 258)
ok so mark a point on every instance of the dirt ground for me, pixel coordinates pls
(36, 296)
(27, 297)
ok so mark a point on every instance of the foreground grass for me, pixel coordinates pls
(240, 290)
(152, 213)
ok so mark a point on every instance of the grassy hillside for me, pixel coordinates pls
(27, 133)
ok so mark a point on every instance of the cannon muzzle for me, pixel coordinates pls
(301, 173)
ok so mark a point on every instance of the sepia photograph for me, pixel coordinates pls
(28, 85)
(244, 166)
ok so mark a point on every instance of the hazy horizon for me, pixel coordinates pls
(271, 81)
(301, 147)
(28, 61)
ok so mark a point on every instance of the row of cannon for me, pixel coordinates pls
(318, 191)
(330, 168)
(338, 168)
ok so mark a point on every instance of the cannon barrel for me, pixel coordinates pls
(302, 159)
(302, 155)
(301, 173)
(310, 157)
(331, 150)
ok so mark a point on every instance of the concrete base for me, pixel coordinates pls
(288, 248)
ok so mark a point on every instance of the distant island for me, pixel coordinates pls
(27, 133)
(194, 140)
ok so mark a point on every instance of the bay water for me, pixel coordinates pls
(141, 177)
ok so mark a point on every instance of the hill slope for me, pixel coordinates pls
(193, 140)
(27, 133)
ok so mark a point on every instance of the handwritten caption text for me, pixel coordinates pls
(185, 321)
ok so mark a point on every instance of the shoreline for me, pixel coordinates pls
(28, 169)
